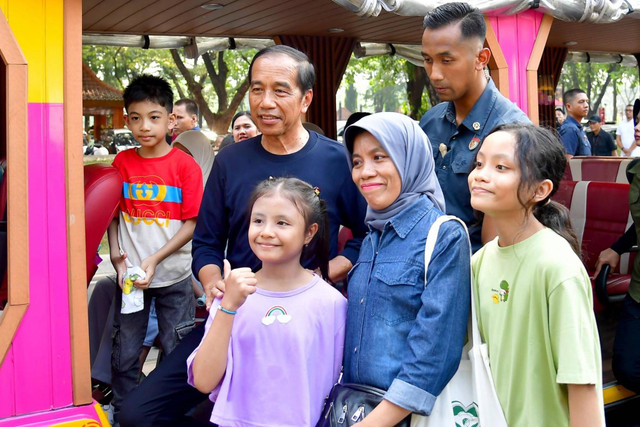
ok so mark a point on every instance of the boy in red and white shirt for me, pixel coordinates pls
(161, 197)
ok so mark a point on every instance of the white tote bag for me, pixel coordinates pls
(470, 398)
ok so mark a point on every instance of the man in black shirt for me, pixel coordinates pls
(602, 143)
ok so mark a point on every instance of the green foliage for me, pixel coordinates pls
(387, 79)
(215, 82)
(351, 98)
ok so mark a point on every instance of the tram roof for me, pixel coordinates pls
(269, 18)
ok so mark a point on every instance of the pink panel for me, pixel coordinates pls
(58, 262)
(7, 391)
(41, 347)
(517, 35)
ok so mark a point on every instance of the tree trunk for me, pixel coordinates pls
(595, 106)
(417, 81)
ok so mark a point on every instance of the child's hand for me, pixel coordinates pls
(149, 266)
(239, 284)
(119, 264)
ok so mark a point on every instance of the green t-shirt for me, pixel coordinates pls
(535, 312)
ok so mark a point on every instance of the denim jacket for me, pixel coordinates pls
(401, 336)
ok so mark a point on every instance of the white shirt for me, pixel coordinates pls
(625, 130)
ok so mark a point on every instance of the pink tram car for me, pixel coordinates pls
(44, 370)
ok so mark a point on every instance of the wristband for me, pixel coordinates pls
(224, 310)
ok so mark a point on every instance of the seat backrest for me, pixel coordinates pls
(565, 193)
(605, 169)
(599, 215)
(344, 235)
(102, 192)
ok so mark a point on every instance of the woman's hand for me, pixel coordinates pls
(239, 283)
(386, 414)
(608, 256)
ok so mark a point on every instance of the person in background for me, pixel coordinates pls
(198, 146)
(455, 58)
(624, 134)
(242, 127)
(572, 135)
(530, 285)
(601, 141)
(626, 347)
(185, 112)
(560, 117)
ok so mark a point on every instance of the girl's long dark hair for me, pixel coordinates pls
(540, 155)
(313, 209)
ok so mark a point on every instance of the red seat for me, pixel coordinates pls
(600, 215)
(344, 235)
(565, 193)
(597, 168)
(102, 192)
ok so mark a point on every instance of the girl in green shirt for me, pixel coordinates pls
(532, 293)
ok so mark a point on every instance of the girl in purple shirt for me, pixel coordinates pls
(273, 344)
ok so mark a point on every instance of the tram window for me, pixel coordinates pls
(14, 262)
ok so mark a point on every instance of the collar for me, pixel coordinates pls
(573, 121)
(406, 221)
(479, 114)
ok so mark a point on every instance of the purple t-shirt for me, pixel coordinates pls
(284, 356)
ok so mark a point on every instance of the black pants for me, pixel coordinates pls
(626, 347)
(164, 397)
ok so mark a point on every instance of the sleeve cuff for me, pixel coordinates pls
(351, 253)
(410, 397)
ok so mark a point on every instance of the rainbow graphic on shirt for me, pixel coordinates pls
(276, 312)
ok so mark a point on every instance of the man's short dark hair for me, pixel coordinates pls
(149, 88)
(570, 95)
(306, 72)
(189, 105)
(470, 18)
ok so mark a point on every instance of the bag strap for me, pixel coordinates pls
(429, 246)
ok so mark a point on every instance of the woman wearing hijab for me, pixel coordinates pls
(197, 145)
(403, 335)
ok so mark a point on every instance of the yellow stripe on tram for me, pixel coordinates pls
(37, 25)
(616, 392)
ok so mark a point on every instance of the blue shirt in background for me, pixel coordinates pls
(574, 138)
(401, 336)
(455, 148)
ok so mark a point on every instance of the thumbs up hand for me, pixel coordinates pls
(239, 283)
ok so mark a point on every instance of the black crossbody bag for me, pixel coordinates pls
(348, 404)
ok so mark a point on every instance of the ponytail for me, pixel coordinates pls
(556, 217)
(319, 246)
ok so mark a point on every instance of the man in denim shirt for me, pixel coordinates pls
(571, 133)
(454, 58)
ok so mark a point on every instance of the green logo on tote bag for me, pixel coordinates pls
(465, 416)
